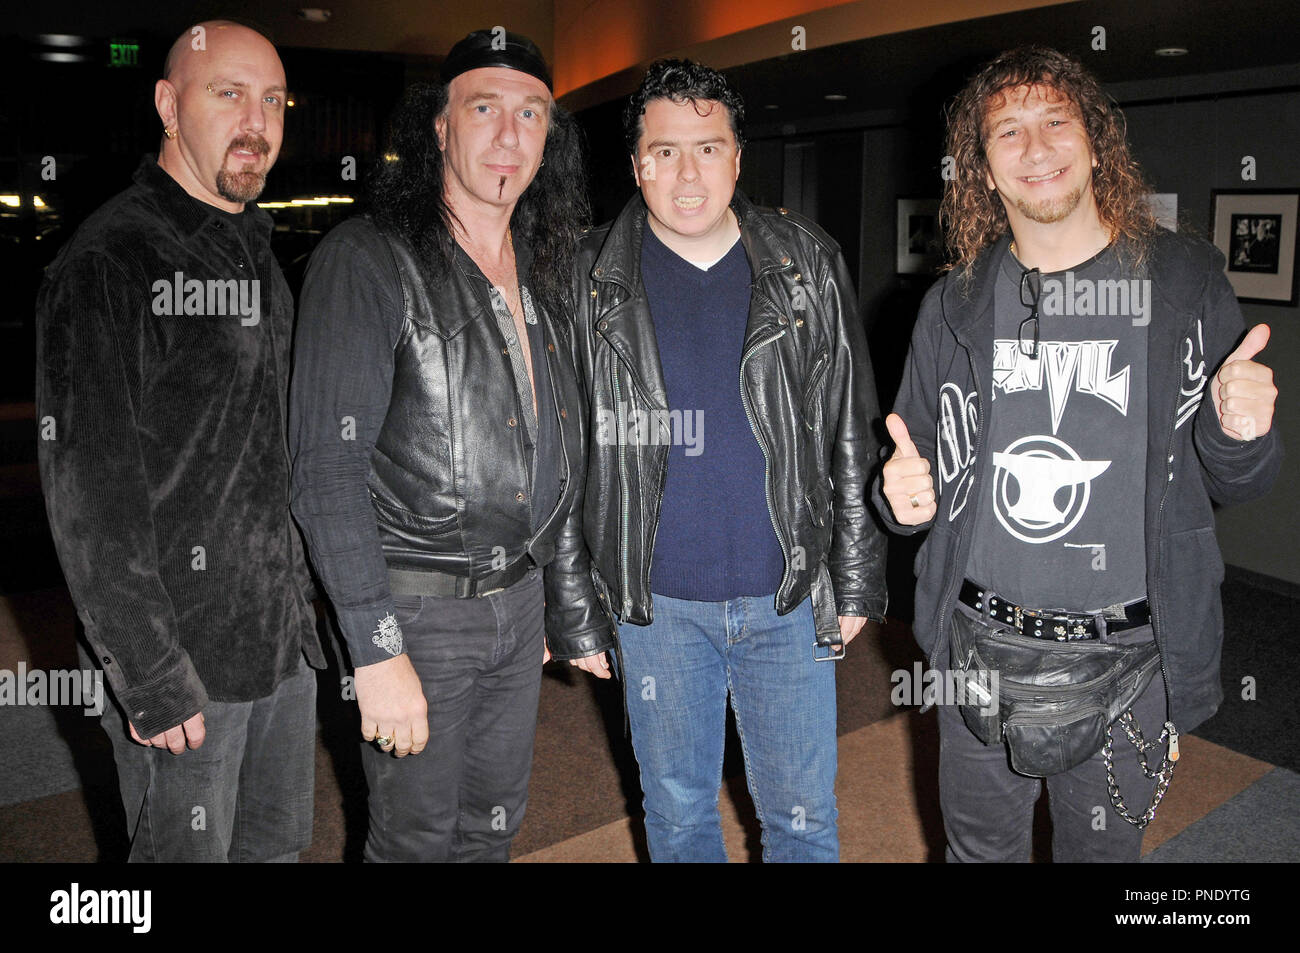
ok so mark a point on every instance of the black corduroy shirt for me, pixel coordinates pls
(163, 341)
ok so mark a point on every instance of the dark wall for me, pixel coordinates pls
(1191, 147)
(97, 121)
(1188, 139)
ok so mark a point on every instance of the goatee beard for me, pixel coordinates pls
(1049, 211)
(243, 186)
(240, 186)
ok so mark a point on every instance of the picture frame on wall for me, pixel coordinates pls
(1256, 229)
(920, 246)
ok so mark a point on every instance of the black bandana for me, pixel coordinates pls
(496, 47)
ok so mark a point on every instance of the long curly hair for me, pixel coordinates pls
(406, 194)
(973, 217)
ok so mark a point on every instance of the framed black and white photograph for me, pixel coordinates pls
(1256, 231)
(920, 246)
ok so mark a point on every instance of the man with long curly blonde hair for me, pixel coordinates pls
(1056, 384)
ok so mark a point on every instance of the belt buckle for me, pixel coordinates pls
(1036, 631)
(1069, 628)
(831, 654)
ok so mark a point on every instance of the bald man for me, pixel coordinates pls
(163, 333)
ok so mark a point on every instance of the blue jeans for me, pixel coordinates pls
(677, 673)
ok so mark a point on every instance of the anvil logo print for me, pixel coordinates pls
(1041, 488)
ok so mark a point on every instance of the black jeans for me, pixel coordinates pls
(988, 808)
(244, 796)
(463, 797)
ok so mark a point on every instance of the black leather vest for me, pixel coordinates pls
(449, 474)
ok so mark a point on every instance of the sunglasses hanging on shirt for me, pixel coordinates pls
(1031, 288)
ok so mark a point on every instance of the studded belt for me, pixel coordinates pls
(1055, 624)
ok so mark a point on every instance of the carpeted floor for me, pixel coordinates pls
(58, 795)
(1236, 794)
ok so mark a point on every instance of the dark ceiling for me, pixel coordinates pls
(893, 72)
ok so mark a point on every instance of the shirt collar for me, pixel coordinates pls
(185, 210)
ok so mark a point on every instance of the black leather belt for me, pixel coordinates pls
(419, 582)
(1055, 624)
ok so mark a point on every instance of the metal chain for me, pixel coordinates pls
(1165, 772)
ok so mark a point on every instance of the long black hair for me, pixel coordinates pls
(406, 195)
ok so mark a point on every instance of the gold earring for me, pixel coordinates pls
(169, 133)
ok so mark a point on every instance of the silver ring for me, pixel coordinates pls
(914, 501)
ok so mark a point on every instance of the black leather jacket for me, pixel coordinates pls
(436, 475)
(809, 392)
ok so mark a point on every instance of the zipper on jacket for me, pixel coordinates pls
(564, 451)
(971, 501)
(1156, 625)
(624, 501)
(767, 461)
(810, 387)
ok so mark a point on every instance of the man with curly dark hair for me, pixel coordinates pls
(1057, 385)
(437, 440)
(731, 405)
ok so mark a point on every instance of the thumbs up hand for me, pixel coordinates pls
(1243, 389)
(907, 483)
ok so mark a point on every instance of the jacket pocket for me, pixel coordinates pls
(1190, 606)
(811, 407)
(818, 498)
(405, 521)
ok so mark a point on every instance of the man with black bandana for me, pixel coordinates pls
(438, 447)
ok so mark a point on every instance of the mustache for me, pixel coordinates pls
(252, 143)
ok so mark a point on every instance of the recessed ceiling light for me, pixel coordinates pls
(1172, 51)
(771, 106)
(63, 39)
(835, 97)
(315, 14)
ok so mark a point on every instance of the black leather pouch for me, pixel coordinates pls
(1053, 700)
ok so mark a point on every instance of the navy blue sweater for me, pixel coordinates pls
(715, 538)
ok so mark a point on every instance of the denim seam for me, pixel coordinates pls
(497, 651)
(148, 813)
(740, 730)
(236, 844)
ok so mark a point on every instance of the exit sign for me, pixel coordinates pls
(123, 54)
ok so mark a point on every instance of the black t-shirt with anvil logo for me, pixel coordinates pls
(1060, 520)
